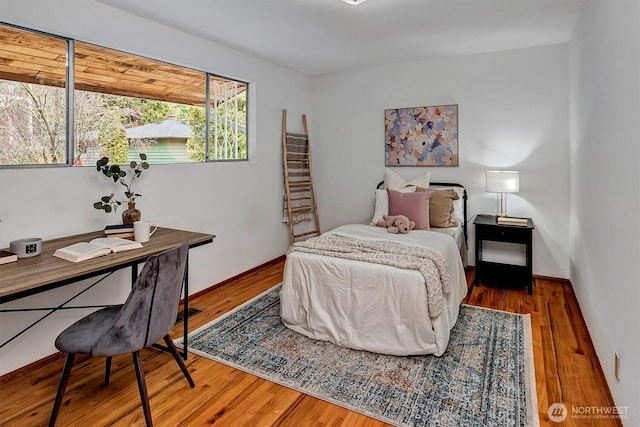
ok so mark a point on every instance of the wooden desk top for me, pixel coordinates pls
(44, 272)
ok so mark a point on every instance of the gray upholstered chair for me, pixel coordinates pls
(147, 316)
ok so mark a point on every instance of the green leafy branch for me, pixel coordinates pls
(110, 203)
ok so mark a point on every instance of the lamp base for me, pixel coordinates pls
(502, 205)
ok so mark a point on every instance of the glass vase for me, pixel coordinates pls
(131, 215)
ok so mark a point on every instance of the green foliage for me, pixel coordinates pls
(114, 172)
(112, 136)
(138, 112)
(195, 144)
(154, 111)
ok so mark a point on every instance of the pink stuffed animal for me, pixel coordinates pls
(396, 224)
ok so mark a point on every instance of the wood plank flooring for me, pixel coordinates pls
(565, 366)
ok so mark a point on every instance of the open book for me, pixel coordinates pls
(95, 248)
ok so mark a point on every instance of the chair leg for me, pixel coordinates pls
(107, 370)
(174, 352)
(61, 388)
(142, 387)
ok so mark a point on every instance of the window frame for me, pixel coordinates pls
(70, 104)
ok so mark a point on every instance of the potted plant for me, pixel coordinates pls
(110, 203)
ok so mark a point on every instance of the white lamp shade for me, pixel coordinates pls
(502, 181)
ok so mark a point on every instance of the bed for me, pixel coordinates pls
(377, 307)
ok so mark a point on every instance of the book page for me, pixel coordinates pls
(116, 244)
(82, 248)
(81, 251)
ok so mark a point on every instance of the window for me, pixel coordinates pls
(121, 105)
(228, 137)
(33, 124)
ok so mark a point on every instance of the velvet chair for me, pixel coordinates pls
(147, 316)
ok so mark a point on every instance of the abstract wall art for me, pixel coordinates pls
(421, 136)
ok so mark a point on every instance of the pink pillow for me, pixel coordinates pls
(414, 206)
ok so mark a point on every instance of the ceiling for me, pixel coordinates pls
(323, 36)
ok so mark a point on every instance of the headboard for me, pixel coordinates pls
(380, 186)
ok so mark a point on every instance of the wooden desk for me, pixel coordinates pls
(29, 276)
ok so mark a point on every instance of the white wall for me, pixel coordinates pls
(240, 202)
(513, 114)
(605, 187)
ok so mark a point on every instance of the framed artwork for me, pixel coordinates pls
(421, 136)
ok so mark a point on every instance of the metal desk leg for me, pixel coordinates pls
(476, 279)
(134, 274)
(185, 322)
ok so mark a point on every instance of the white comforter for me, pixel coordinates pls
(367, 306)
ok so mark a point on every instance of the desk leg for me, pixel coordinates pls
(530, 264)
(134, 274)
(185, 315)
(476, 279)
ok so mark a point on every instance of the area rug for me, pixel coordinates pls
(485, 378)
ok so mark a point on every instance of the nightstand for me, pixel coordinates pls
(487, 228)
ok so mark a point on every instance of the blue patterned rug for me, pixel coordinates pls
(485, 378)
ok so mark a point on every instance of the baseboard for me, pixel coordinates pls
(239, 276)
(564, 282)
(52, 358)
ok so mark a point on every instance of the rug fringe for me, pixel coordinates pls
(533, 418)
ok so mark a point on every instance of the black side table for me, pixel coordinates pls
(487, 228)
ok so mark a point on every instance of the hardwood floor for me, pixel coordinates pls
(565, 365)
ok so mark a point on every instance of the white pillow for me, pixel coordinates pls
(382, 203)
(422, 181)
(395, 182)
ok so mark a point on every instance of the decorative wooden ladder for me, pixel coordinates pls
(300, 195)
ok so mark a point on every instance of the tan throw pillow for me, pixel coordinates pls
(441, 208)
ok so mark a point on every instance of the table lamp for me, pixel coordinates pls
(502, 182)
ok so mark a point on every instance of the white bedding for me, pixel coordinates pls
(458, 236)
(367, 306)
